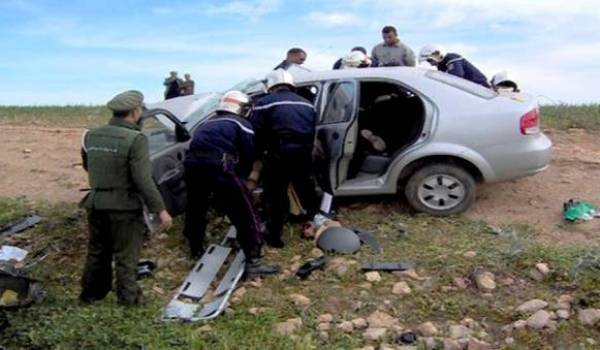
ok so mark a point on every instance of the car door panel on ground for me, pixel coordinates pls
(167, 150)
(337, 132)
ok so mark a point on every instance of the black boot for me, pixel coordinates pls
(274, 241)
(254, 268)
(196, 249)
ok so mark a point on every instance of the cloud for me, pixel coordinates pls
(332, 19)
(252, 10)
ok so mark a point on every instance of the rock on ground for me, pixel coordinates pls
(531, 306)
(373, 276)
(476, 344)
(459, 331)
(359, 323)
(374, 334)
(325, 318)
(380, 319)
(299, 299)
(346, 327)
(401, 288)
(427, 329)
(589, 317)
(451, 344)
(485, 281)
(538, 320)
(288, 327)
(542, 268)
(563, 314)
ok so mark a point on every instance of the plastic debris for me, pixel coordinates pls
(579, 210)
(8, 253)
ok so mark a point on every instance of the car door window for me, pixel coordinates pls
(340, 103)
(160, 131)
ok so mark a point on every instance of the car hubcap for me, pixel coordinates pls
(441, 192)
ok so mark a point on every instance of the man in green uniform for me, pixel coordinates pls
(117, 160)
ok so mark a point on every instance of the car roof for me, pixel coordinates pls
(399, 73)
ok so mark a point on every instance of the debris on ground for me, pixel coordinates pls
(10, 253)
(21, 225)
(386, 266)
(369, 239)
(18, 290)
(145, 269)
(315, 264)
(406, 338)
(574, 211)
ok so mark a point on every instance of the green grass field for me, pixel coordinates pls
(556, 117)
(435, 246)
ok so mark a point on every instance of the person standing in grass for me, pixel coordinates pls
(117, 160)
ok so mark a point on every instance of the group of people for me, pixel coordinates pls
(393, 53)
(175, 86)
(274, 134)
(276, 131)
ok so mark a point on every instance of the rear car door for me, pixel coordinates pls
(167, 142)
(337, 131)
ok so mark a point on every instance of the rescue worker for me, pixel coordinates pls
(294, 56)
(391, 52)
(173, 86)
(117, 160)
(284, 123)
(187, 88)
(452, 63)
(355, 60)
(218, 161)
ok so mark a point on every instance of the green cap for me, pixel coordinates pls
(126, 101)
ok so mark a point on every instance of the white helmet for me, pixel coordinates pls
(279, 77)
(235, 102)
(503, 81)
(354, 59)
(433, 52)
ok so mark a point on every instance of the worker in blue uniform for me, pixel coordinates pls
(452, 63)
(218, 161)
(284, 123)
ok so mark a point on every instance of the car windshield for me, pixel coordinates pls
(248, 86)
(202, 111)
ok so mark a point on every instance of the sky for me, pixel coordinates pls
(85, 51)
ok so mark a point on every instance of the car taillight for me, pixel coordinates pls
(530, 123)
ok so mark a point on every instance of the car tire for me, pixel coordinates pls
(440, 190)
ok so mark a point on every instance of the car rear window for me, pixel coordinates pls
(462, 84)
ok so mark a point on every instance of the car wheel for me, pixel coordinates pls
(440, 190)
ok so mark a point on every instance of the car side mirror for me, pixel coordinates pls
(181, 133)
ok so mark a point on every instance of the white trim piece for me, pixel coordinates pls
(273, 104)
(245, 129)
(83, 140)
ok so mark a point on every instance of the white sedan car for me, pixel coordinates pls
(427, 135)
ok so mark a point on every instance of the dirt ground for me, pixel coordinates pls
(43, 164)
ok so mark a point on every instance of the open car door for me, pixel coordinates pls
(337, 132)
(167, 142)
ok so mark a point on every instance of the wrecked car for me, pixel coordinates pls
(442, 135)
